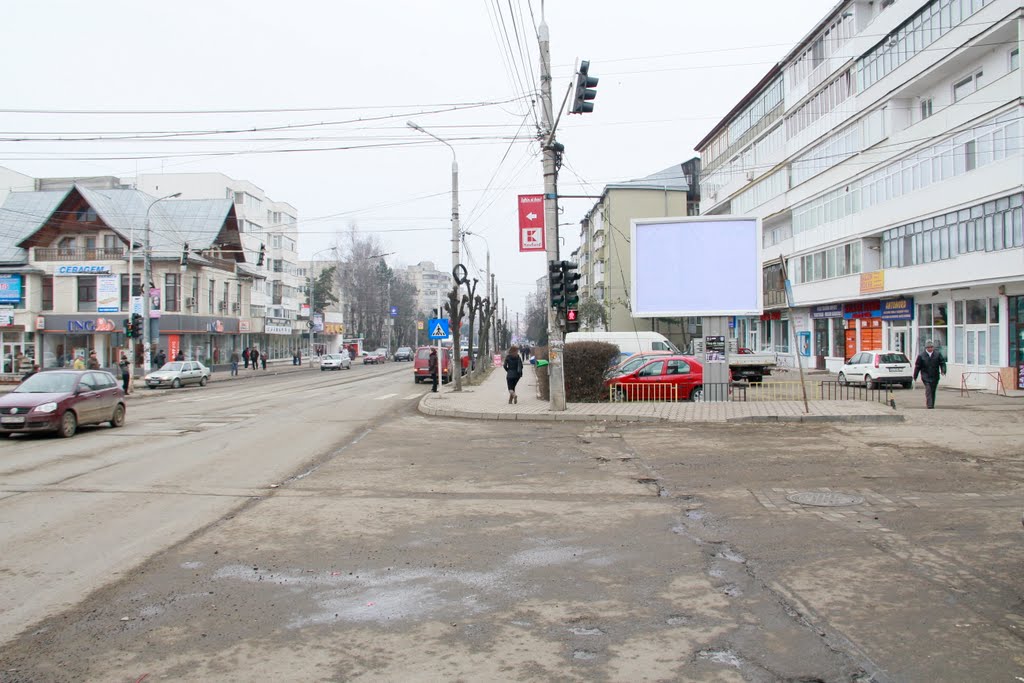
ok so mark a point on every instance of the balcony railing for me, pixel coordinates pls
(59, 254)
(774, 297)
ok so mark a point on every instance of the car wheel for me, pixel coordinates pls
(68, 425)
(697, 395)
(321, 369)
(176, 384)
(118, 419)
(842, 379)
(870, 383)
(203, 381)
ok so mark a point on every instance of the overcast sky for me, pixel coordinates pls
(668, 70)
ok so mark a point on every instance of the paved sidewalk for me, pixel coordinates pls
(489, 401)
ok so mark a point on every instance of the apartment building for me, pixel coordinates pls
(269, 234)
(883, 155)
(604, 251)
(430, 284)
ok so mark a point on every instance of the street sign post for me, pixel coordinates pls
(393, 311)
(531, 223)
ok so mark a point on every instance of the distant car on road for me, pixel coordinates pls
(404, 353)
(179, 373)
(62, 400)
(375, 357)
(877, 368)
(335, 361)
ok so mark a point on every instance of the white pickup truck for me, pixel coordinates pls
(744, 363)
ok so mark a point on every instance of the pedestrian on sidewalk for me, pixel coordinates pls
(94, 362)
(263, 361)
(513, 371)
(245, 357)
(161, 358)
(181, 355)
(432, 368)
(125, 375)
(254, 357)
(930, 364)
(234, 362)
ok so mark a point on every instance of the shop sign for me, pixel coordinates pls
(827, 311)
(244, 326)
(873, 282)
(771, 315)
(280, 326)
(154, 302)
(10, 289)
(81, 269)
(871, 308)
(97, 325)
(898, 309)
(40, 322)
(215, 326)
(108, 294)
(334, 328)
(318, 323)
(6, 317)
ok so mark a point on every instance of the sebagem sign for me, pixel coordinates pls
(81, 269)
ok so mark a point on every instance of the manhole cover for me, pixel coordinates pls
(824, 499)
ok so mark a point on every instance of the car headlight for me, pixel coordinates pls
(46, 407)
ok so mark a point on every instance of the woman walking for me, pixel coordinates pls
(513, 371)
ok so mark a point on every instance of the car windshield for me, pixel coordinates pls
(893, 358)
(630, 365)
(172, 367)
(423, 353)
(332, 356)
(48, 383)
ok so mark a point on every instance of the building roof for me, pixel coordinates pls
(20, 216)
(671, 178)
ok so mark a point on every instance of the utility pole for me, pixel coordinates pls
(147, 278)
(556, 369)
(494, 313)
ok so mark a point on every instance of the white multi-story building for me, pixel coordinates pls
(884, 157)
(266, 226)
(430, 284)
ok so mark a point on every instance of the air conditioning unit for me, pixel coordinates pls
(236, 306)
(750, 176)
(221, 306)
(190, 302)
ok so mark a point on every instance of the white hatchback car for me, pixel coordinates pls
(877, 368)
(335, 361)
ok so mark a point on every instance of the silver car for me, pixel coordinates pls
(335, 361)
(178, 373)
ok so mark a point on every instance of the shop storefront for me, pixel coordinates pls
(64, 338)
(1016, 334)
(279, 339)
(208, 340)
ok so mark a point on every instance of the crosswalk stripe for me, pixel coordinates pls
(412, 396)
(385, 396)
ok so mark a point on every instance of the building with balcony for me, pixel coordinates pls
(269, 236)
(64, 275)
(604, 251)
(883, 156)
(432, 285)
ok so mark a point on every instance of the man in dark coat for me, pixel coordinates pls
(929, 365)
(254, 357)
(161, 358)
(245, 357)
(432, 368)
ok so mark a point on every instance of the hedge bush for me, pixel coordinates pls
(585, 365)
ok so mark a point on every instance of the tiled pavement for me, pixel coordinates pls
(489, 400)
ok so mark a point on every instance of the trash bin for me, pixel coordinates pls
(543, 386)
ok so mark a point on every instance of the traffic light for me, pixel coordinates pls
(556, 279)
(136, 325)
(128, 328)
(184, 256)
(262, 256)
(584, 93)
(572, 320)
(570, 289)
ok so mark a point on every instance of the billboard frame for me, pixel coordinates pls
(727, 263)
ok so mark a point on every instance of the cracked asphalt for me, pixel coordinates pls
(422, 549)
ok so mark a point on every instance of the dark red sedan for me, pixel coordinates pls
(660, 378)
(61, 400)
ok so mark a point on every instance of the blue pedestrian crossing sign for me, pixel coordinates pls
(438, 328)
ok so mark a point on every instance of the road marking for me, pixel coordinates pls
(412, 396)
(385, 396)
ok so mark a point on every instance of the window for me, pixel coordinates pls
(195, 292)
(678, 367)
(47, 292)
(137, 280)
(227, 295)
(213, 286)
(926, 108)
(652, 370)
(238, 298)
(87, 215)
(67, 244)
(976, 332)
(1014, 59)
(111, 242)
(966, 86)
(933, 321)
(86, 292)
(239, 198)
(277, 265)
(172, 293)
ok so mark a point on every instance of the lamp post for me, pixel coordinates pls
(455, 192)
(312, 264)
(147, 277)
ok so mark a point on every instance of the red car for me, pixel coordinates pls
(664, 378)
(61, 400)
(421, 362)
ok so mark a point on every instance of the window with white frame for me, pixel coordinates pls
(821, 47)
(927, 108)
(838, 147)
(1014, 59)
(824, 101)
(976, 332)
(833, 262)
(967, 85)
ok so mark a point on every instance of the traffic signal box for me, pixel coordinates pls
(582, 102)
(128, 330)
(136, 326)
(564, 291)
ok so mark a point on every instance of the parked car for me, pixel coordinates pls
(404, 353)
(421, 362)
(178, 373)
(335, 361)
(62, 400)
(660, 378)
(878, 368)
(632, 362)
(375, 357)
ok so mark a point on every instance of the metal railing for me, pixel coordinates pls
(76, 254)
(741, 392)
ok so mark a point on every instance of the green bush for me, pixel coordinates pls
(585, 365)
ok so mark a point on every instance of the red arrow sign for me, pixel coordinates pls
(531, 223)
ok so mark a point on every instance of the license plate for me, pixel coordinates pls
(12, 420)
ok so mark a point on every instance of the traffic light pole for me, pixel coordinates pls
(556, 368)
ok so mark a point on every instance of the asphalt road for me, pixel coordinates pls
(401, 547)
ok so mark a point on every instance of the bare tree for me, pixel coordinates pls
(456, 308)
(486, 311)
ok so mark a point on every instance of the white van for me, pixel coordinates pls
(628, 342)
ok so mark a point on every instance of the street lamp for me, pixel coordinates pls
(147, 268)
(312, 262)
(455, 192)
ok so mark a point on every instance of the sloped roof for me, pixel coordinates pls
(671, 178)
(21, 215)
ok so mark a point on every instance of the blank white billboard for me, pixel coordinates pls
(696, 266)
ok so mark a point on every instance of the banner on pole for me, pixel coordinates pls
(531, 223)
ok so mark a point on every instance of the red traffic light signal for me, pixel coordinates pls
(572, 315)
